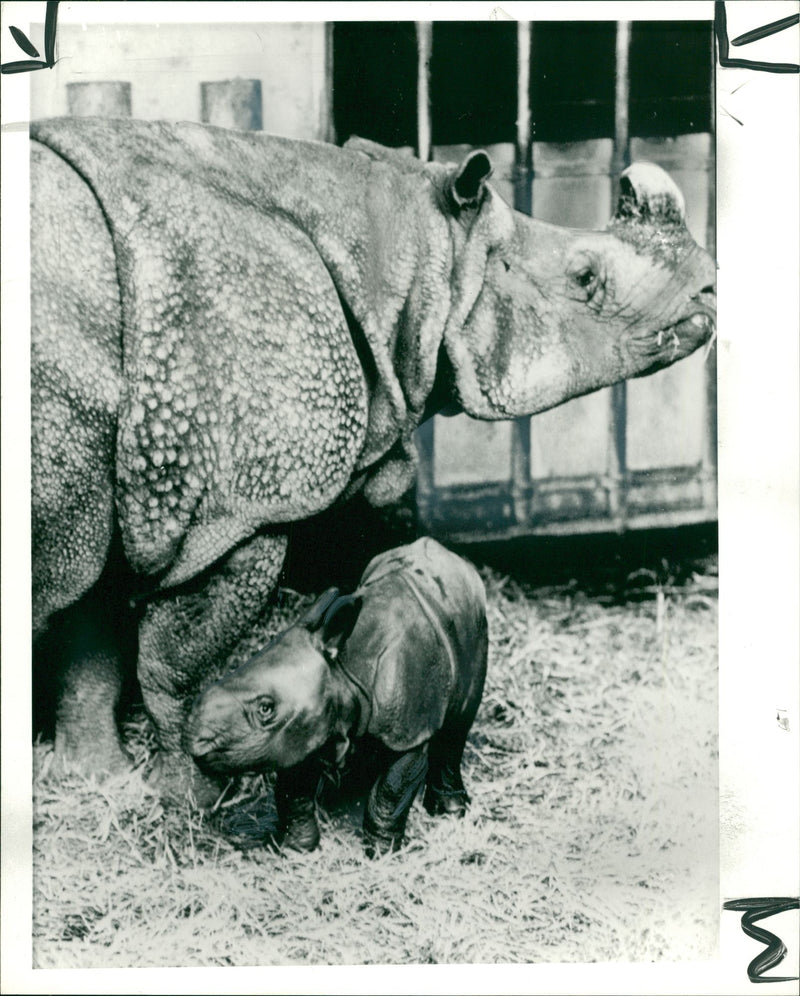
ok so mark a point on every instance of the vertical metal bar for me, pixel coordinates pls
(425, 433)
(617, 457)
(523, 186)
(710, 434)
(424, 49)
(327, 124)
(521, 487)
(622, 141)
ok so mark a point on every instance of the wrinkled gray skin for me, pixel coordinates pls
(402, 659)
(231, 331)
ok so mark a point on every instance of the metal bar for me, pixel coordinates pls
(425, 434)
(424, 49)
(622, 150)
(618, 416)
(327, 124)
(523, 149)
(710, 434)
(521, 485)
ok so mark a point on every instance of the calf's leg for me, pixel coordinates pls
(295, 798)
(445, 792)
(390, 800)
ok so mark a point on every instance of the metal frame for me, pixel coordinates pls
(615, 501)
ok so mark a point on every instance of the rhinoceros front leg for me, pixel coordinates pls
(390, 800)
(184, 639)
(295, 798)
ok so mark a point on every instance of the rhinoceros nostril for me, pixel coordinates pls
(199, 744)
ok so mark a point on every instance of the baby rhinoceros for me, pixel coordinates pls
(402, 659)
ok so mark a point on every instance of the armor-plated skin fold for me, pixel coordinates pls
(402, 660)
(232, 331)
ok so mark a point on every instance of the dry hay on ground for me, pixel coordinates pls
(592, 833)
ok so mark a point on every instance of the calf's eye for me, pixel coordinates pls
(265, 710)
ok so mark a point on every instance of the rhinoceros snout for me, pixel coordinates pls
(199, 745)
(204, 734)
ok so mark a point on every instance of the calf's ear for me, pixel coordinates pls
(312, 620)
(339, 622)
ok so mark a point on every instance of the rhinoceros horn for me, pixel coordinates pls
(649, 195)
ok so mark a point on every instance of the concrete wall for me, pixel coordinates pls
(165, 65)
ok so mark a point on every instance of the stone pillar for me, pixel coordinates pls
(107, 99)
(232, 104)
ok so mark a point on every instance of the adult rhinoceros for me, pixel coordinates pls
(232, 331)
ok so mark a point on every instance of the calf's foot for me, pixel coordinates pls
(251, 824)
(440, 802)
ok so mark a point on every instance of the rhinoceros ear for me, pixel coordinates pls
(648, 194)
(469, 180)
(339, 622)
(312, 620)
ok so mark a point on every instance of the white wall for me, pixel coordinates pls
(167, 63)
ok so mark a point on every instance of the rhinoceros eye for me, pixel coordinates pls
(585, 280)
(265, 710)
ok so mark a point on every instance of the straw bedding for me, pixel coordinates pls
(592, 834)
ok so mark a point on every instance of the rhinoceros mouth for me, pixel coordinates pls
(221, 762)
(679, 338)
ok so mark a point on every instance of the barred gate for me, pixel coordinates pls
(638, 455)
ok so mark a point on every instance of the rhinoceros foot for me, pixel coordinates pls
(439, 803)
(86, 736)
(102, 756)
(251, 824)
(176, 777)
(80, 673)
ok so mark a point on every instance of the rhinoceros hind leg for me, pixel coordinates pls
(445, 792)
(185, 638)
(390, 800)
